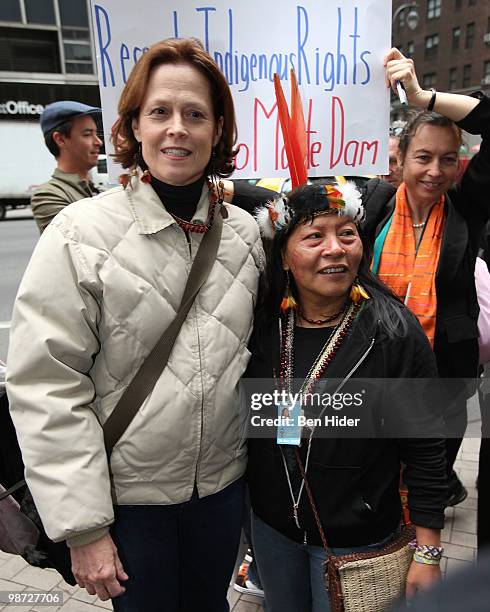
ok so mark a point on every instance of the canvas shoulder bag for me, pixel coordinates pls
(364, 581)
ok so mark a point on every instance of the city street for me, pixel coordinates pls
(18, 236)
(458, 536)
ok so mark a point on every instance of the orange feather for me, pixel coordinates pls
(293, 130)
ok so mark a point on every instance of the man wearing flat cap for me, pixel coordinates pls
(70, 133)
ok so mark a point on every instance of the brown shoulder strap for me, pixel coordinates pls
(146, 377)
(312, 502)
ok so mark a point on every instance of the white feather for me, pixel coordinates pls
(264, 222)
(353, 201)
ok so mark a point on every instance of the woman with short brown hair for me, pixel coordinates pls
(118, 264)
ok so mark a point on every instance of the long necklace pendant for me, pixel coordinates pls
(295, 514)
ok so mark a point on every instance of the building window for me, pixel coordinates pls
(466, 75)
(410, 49)
(458, 4)
(73, 13)
(431, 46)
(456, 38)
(429, 80)
(10, 11)
(27, 50)
(76, 37)
(453, 74)
(470, 35)
(53, 37)
(486, 73)
(40, 11)
(433, 9)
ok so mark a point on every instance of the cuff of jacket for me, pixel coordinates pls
(427, 519)
(87, 537)
(473, 121)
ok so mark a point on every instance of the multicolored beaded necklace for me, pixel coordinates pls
(325, 356)
(319, 366)
(214, 199)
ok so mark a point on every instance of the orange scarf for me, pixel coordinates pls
(410, 273)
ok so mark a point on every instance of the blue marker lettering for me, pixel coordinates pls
(368, 71)
(176, 25)
(104, 56)
(354, 37)
(341, 59)
(300, 11)
(124, 55)
(205, 10)
(329, 71)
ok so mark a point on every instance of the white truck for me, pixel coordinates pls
(25, 163)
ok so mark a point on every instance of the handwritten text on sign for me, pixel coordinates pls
(335, 48)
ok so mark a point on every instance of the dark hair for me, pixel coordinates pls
(425, 118)
(65, 129)
(386, 305)
(175, 51)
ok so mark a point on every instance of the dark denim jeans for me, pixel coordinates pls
(179, 558)
(292, 574)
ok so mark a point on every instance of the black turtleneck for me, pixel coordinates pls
(180, 201)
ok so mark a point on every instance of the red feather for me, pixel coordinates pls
(293, 131)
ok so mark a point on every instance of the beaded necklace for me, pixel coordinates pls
(202, 228)
(319, 366)
(329, 319)
(325, 356)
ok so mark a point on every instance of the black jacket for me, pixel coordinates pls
(355, 481)
(467, 210)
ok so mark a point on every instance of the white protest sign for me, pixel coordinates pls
(335, 47)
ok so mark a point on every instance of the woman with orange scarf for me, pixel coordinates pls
(426, 235)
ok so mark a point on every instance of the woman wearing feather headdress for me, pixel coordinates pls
(325, 320)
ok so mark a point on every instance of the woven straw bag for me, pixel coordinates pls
(370, 581)
(364, 581)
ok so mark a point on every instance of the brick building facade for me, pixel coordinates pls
(450, 45)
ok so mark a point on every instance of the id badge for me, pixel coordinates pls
(288, 427)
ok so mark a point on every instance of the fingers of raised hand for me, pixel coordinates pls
(400, 70)
(393, 54)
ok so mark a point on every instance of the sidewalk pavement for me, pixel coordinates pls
(459, 537)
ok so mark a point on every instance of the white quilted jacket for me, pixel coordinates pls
(105, 280)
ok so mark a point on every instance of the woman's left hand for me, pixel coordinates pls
(402, 69)
(421, 577)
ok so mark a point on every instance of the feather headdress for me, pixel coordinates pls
(341, 199)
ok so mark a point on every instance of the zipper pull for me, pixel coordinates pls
(304, 539)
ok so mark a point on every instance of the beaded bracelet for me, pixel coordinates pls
(420, 559)
(426, 553)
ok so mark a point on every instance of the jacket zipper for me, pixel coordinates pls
(194, 308)
(344, 380)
